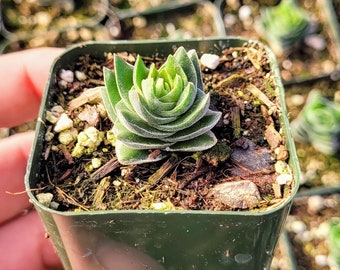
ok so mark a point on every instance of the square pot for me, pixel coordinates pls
(156, 239)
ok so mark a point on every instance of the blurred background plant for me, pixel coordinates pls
(319, 123)
(334, 241)
(284, 25)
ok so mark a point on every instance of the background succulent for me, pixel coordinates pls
(163, 108)
(334, 241)
(319, 123)
(284, 25)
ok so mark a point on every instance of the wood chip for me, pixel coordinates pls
(90, 96)
(99, 193)
(262, 97)
(277, 190)
(234, 79)
(273, 137)
(104, 170)
(163, 170)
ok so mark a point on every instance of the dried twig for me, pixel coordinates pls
(231, 80)
(100, 192)
(70, 199)
(108, 167)
(236, 121)
(262, 97)
(163, 170)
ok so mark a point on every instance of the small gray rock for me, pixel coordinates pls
(241, 194)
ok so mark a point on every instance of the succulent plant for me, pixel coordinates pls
(334, 240)
(319, 123)
(165, 108)
(284, 25)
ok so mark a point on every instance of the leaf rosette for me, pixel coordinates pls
(285, 24)
(163, 108)
(319, 123)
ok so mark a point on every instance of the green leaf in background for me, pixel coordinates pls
(319, 123)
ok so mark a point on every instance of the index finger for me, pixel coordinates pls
(23, 76)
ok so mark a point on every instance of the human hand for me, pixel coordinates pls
(22, 236)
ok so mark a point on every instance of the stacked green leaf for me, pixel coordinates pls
(284, 24)
(319, 123)
(334, 240)
(165, 108)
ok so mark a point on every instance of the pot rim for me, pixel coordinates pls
(293, 159)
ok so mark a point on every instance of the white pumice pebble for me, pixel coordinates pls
(116, 183)
(87, 141)
(45, 198)
(283, 179)
(230, 19)
(49, 136)
(210, 60)
(81, 76)
(66, 75)
(321, 260)
(57, 110)
(297, 100)
(305, 236)
(96, 163)
(159, 205)
(281, 167)
(321, 232)
(43, 18)
(298, 226)
(315, 204)
(64, 122)
(68, 136)
(94, 137)
(51, 118)
(62, 84)
(316, 42)
(244, 12)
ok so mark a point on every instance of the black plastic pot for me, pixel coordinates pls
(149, 239)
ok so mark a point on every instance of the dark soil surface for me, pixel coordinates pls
(245, 148)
